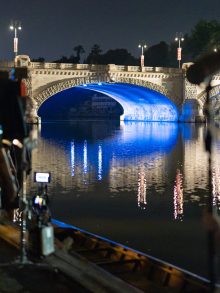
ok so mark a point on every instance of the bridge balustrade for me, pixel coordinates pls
(134, 68)
(82, 66)
(37, 65)
(95, 67)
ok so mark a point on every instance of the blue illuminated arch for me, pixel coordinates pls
(139, 103)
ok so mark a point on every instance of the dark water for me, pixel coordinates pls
(141, 184)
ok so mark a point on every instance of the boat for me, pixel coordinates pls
(140, 270)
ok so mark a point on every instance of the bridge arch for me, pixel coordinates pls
(138, 103)
(215, 101)
(193, 109)
(58, 86)
(202, 97)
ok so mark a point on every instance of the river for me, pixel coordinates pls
(141, 184)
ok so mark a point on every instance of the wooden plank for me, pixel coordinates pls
(10, 234)
(89, 275)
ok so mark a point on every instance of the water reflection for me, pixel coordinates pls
(130, 156)
(142, 189)
(72, 153)
(141, 184)
(100, 162)
(178, 196)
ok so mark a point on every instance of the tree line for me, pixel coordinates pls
(203, 39)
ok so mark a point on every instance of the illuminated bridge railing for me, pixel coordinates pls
(93, 67)
(109, 67)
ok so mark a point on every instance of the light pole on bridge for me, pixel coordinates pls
(15, 26)
(179, 38)
(142, 53)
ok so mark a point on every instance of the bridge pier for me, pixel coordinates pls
(192, 112)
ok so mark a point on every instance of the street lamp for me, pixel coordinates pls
(142, 53)
(15, 26)
(179, 38)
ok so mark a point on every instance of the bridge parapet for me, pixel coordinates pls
(109, 67)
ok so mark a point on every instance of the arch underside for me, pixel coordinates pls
(213, 93)
(138, 102)
(215, 101)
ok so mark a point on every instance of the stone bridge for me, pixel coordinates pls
(46, 79)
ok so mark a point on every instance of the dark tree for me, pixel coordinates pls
(118, 57)
(79, 51)
(202, 39)
(39, 59)
(63, 59)
(94, 56)
(157, 55)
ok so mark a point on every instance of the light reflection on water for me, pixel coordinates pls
(141, 184)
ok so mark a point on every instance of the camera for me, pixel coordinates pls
(41, 234)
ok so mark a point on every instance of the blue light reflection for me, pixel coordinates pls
(91, 159)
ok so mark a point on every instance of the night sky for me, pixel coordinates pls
(53, 28)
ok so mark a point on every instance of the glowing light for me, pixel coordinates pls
(139, 103)
(99, 83)
(72, 152)
(178, 197)
(142, 189)
(99, 162)
(216, 187)
(85, 159)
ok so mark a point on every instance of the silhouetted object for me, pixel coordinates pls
(79, 51)
(157, 55)
(204, 68)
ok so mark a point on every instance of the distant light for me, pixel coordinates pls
(84, 84)
(19, 27)
(176, 39)
(139, 46)
(11, 27)
(145, 46)
(215, 50)
(99, 83)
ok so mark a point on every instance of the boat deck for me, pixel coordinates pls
(83, 262)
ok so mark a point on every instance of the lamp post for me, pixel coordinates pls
(179, 38)
(142, 53)
(15, 26)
